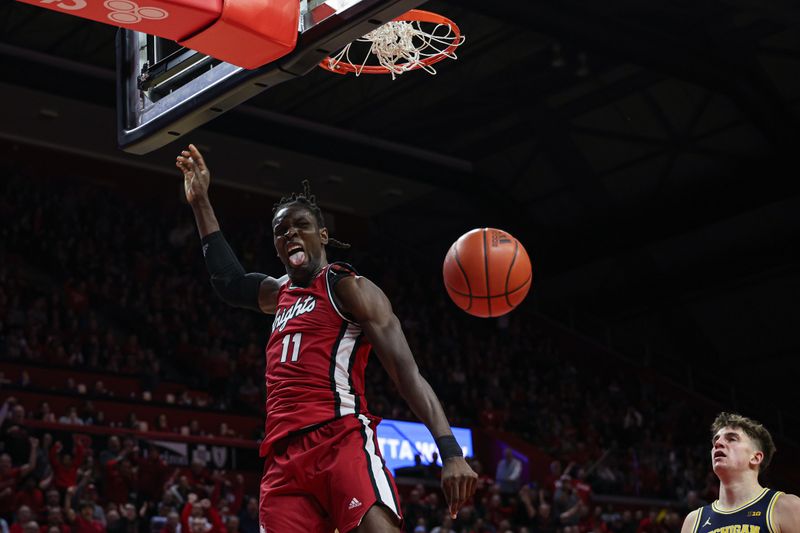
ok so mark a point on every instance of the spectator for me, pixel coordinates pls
(162, 424)
(23, 516)
(65, 467)
(433, 470)
(173, 523)
(71, 417)
(9, 479)
(445, 527)
(232, 524)
(509, 473)
(29, 495)
(112, 451)
(248, 517)
(83, 520)
(198, 516)
(545, 521)
(87, 493)
(14, 432)
(52, 499)
(55, 522)
(31, 527)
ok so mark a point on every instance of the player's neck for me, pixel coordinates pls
(738, 491)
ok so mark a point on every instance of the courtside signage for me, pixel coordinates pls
(400, 441)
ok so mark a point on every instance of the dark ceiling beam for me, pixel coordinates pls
(714, 65)
(672, 144)
(593, 99)
(677, 212)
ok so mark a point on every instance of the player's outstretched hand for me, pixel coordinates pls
(196, 176)
(458, 483)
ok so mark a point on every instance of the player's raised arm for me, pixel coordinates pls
(371, 309)
(786, 515)
(254, 291)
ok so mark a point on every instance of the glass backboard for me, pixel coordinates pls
(165, 91)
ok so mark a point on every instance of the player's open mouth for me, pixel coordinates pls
(295, 254)
(718, 454)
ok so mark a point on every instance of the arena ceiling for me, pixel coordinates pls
(644, 153)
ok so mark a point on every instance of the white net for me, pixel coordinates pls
(400, 46)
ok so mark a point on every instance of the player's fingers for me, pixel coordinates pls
(455, 498)
(447, 489)
(473, 483)
(197, 156)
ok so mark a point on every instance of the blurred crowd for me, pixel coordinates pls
(108, 484)
(93, 280)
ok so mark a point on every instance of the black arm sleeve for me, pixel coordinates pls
(228, 277)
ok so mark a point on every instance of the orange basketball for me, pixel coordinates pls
(487, 272)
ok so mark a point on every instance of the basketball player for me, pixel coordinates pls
(742, 448)
(323, 468)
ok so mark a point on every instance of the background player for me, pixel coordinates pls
(741, 449)
(323, 465)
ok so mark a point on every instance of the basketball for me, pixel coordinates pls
(487, 272)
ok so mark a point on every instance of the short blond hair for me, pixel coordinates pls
(753, 429)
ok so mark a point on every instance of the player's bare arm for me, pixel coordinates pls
(688, 524)
(786, 514)
(235, 286)
(371, 309)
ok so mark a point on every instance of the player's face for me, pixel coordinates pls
(300, 243)
(733, 450)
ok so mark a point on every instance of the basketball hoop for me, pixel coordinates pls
(401, 45)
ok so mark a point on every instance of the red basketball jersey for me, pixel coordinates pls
(316, 358)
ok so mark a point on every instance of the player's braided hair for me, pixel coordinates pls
(309, 201)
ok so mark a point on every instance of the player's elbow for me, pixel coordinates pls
(238, 289)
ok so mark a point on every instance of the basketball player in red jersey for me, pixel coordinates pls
(741, 449)
(323, 468)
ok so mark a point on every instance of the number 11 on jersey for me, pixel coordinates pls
(295, 342)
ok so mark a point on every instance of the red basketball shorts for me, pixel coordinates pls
(324, 479)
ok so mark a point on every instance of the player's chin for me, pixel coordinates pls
(301, 273)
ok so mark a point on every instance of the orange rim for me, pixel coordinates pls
(415, 15)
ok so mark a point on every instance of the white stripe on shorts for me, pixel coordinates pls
(385, 493)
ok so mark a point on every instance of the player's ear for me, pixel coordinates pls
(323, 235)
(757, 458)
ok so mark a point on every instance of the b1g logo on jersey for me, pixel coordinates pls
(300, 307)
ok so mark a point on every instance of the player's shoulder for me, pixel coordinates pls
(344, 272)
(790, 501)
(340, 269)
(690, 521)
(786, 513)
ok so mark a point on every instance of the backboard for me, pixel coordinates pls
(165, 91)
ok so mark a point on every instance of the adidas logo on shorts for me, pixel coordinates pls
(354, 503)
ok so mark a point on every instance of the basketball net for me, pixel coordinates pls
(401, 45)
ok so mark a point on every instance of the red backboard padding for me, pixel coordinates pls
(250, 33)
(246, 33)
(172, 19)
